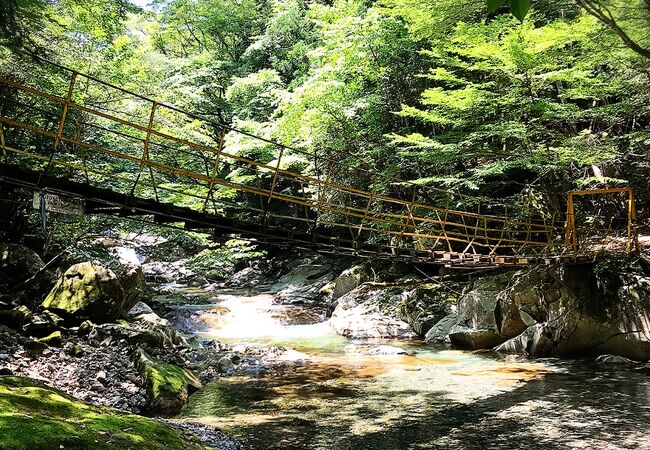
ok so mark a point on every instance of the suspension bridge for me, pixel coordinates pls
(112, 151)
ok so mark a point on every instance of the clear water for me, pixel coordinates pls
(341, 398)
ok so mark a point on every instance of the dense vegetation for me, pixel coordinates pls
(457, 95)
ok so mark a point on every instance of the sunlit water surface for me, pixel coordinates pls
(341, 398)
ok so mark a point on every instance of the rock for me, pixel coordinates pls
(87, 291)
(85, 328)
(42, 324)
(439, 333)
(54, 339)
(35, 347)
(168, 386)
(225, 365)
(424, 305)
(139, 308)
(472, 338)
(479, 317)
(583, 310)
(349, 280)
(369, 312)
(151, 321)
(387, 350)
(5, 371)
(40, 417)
(17, 264)
(101, 376)
(209, 436)
(302, 284)
(13, 318)
(614, 360)
(108, 332)
(75, 350)
(249, 276)
(533, 341)
(133, 283)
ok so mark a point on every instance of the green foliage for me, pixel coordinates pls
(255, 96)
(477, 99)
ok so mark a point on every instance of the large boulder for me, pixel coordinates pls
(439, 333)
(581, 310)
(87, 291)
(370, 311)
(168, 386)
(349, 280)
(424, 305)
(479, 314)
(303, 284)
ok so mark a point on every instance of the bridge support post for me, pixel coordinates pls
(570, 233)
(632, 232)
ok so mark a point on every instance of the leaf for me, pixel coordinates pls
(493, 5)
(519, 8)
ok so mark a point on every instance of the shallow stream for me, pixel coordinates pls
(340, 397)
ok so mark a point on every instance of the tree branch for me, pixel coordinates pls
(602, 13)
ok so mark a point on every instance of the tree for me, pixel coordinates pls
(615, 14)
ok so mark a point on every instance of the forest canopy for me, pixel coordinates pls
(499, 99)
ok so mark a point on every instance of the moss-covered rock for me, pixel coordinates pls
(168, 386)
(33, 416)
(87, 291)
(85, 328)
(42, 324)
(54, 339)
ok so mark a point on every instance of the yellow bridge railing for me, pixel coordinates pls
(103, 135)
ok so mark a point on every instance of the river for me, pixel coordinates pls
(343, 398)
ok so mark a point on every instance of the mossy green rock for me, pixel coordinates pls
(86, 327)
(42, 324)
(168, 386)
(87, 291)
(53, 339)
(34, 416)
